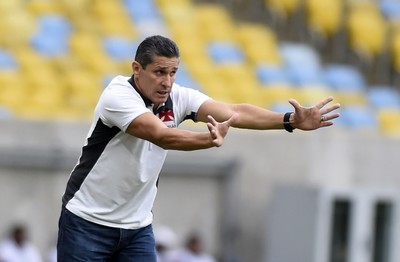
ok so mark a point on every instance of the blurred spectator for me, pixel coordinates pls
(52, 255)
(193, 251)
(17, 247)
(165, 243)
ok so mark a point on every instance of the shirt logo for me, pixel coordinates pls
(167, 117)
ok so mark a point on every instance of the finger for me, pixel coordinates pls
(232, 119)
(326, 123)
(212, 130)
(330, 109)
(212, 120)
(330, 117)
(324, 102)
(294, 103)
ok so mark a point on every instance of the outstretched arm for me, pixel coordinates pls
(253, 117)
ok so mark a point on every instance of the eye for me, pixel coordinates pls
(159, 72)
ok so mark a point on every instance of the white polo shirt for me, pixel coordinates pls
(115, 180)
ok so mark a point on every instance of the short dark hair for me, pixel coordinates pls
(155, 45)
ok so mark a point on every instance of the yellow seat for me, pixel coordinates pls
(283, 8)
(40, 7)
(350, 98)
(259, 43)
(175, 3)
(82, 90)
(85, 47)
(395, 50)
(16, 27)
(389, 121)
(312, 94)
(367, 29)
(214, 22)
(277, 93)
(324, 16)
(113, 19)
(13, 90)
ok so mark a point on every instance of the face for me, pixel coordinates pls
(155, 82)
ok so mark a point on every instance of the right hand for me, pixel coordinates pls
(219, 130)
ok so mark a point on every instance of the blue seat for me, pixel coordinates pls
(223, 52)
(302, 63)
(295, 55)
(358, 117)
(52, 37)
(383, 97)
(183, 78)
(7, 60)
(281, 107)
(343, 77)
(141, 10)
(271, 74)
(304, 75)
(390, 8)
(54, 24)
(119, 48)
(49, 45)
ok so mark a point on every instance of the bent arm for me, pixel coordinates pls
(149, 127)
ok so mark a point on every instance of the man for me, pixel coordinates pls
(18, 248)
(106, 212)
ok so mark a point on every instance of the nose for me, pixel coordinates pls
(167, 81)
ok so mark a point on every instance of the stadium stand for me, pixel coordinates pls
(58, 55)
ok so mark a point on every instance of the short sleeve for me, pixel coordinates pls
(119, 105)
(187, 101)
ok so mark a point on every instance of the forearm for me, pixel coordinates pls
(253, 117)
(178, 139)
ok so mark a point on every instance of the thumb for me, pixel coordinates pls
(294, 103)
(232, 120)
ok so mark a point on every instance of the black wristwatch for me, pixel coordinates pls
(286, 124)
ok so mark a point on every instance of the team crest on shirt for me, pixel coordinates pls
(167, 117)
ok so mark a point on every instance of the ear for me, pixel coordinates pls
(136, 67)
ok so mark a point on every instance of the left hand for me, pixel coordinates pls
(311, 118)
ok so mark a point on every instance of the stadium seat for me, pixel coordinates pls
(259, 43)
(120, 49)
(366, 28)
(277, 94)
(324, 16)
(283, 8)
(343, 77)
(223, 52)
(184, 78)
(7, 60)
(214, 23)
(302, 63)
(358, 117)
(394, 50)
(311, 94)
(16, 27)
(141, 10)
(389, 122)
(390, 9)
(52, 36)
(299, 55)
(41, 7)
(13, 90)
(271, 74)
(113, 19)
(383, 97)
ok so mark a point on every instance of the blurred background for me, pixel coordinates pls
(331, 195)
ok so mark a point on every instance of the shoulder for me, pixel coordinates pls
(119, 91)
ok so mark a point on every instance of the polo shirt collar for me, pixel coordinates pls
(147, 102)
